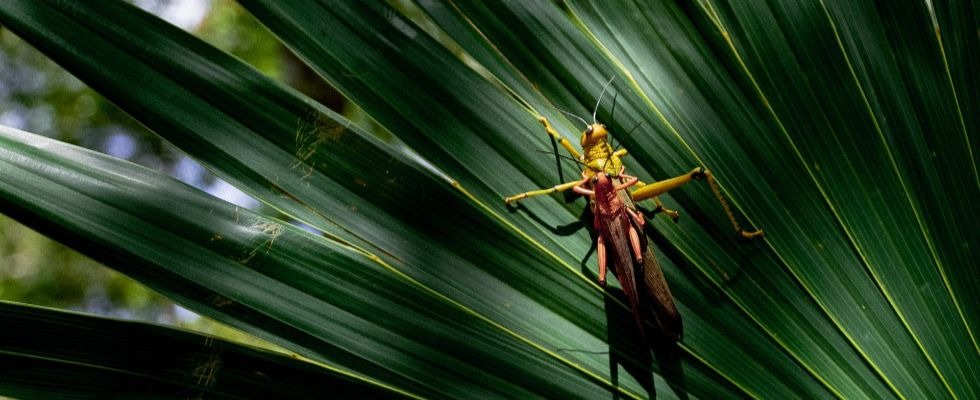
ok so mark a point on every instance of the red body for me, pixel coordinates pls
(623, 244)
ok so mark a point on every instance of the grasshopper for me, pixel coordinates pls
(612, 197)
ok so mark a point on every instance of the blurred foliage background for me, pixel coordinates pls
(39, 96)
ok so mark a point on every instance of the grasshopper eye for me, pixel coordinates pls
(589, 131)
(595, 179)
(608, 175)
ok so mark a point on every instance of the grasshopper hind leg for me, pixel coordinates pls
(635, 227)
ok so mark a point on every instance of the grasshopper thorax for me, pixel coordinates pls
(597, 153)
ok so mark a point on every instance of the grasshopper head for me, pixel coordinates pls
(595, 133)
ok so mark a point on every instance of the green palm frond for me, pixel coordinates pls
(846, 130)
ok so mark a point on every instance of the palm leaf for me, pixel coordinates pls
(842, 131)
(54, 354)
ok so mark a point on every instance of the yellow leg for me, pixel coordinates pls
(557, 188)
(664, 186)
(658, 188)
(674, 215)
(564, 142)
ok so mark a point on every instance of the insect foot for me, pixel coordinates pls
(674, 215)
(751, 235)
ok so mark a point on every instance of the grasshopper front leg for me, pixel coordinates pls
(554, 189)
(561, 139)
(658, 188)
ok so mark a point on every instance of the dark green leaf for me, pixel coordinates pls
(52, 354)
(844, 129)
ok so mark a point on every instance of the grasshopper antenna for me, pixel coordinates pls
(612, 114)
(627, 135)
(572, 115)
(579, 162)
(620, 144)
(606, 86)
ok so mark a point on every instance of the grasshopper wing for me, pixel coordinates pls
(657, 299)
